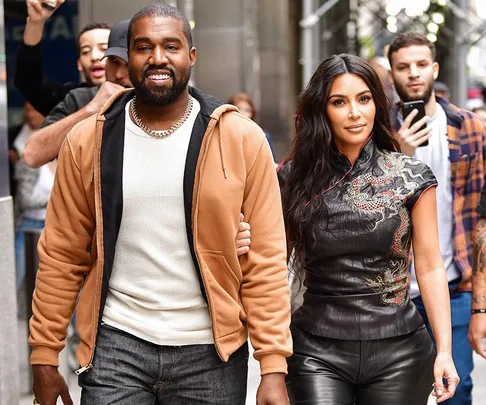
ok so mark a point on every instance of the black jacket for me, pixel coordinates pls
(40, 91)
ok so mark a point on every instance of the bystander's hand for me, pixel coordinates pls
(409, 137)
(39, 14)
(49, 385)
(36, 20)
(477, 334)
(107, 89)
(272, 390)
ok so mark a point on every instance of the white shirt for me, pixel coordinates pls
(154, 291)
(436, 156)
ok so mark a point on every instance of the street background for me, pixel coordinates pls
(266, 48)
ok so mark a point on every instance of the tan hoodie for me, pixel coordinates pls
(229, 170)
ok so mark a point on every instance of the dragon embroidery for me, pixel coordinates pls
(390, 283)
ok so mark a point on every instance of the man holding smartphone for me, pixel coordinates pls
(455, 153)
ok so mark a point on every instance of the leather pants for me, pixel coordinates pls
(324, 371)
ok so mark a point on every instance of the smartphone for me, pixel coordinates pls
(419, 105)
(49, 4)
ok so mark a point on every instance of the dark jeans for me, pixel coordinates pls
(324, 371)
(461, 350)
(130, 371)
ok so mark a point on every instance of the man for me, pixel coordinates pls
(31, 191)
(17, 137)
(477, 326)
(44, 145)
(143, 216)
(455, 153)
(44, 94)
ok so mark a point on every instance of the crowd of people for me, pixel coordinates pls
(168, 230)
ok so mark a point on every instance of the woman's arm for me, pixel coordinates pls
(433, 285)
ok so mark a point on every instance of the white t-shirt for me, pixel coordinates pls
(41, 192)
(436, 156)
(154, 291)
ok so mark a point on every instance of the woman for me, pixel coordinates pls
(353, 206)
(247, 108)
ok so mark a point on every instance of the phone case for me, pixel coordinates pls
(407, 109)
(49, 4)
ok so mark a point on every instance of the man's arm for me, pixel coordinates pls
(477, 326)
(43, 93)
(44, 144)
(265, 292)
(64, 262)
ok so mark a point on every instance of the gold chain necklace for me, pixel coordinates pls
(166, 132)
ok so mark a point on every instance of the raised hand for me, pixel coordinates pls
(39, 14)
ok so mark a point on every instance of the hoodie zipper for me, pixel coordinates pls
(98, 128)
(83, 369)
(209, 130)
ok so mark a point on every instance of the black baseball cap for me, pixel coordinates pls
(117, 41)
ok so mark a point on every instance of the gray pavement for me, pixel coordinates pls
(479, 376)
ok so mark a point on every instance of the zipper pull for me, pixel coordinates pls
(83, 369)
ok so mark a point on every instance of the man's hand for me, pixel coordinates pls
(477, 333)
(409, 137)
(272, 390)
(36, 20)
(243, 237)
(107, 89)
(49, 385)
(39, 14)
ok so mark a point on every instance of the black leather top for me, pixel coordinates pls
(357, 267)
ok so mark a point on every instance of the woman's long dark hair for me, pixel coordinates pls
(311, 161)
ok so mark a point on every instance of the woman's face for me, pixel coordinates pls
(245, 108)
(351, 111)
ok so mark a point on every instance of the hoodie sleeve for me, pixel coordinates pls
(64, 258)
(265, 289)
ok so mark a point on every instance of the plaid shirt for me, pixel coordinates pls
(467, 150)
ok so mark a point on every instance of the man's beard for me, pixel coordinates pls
(160, 96)
(402, 93)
